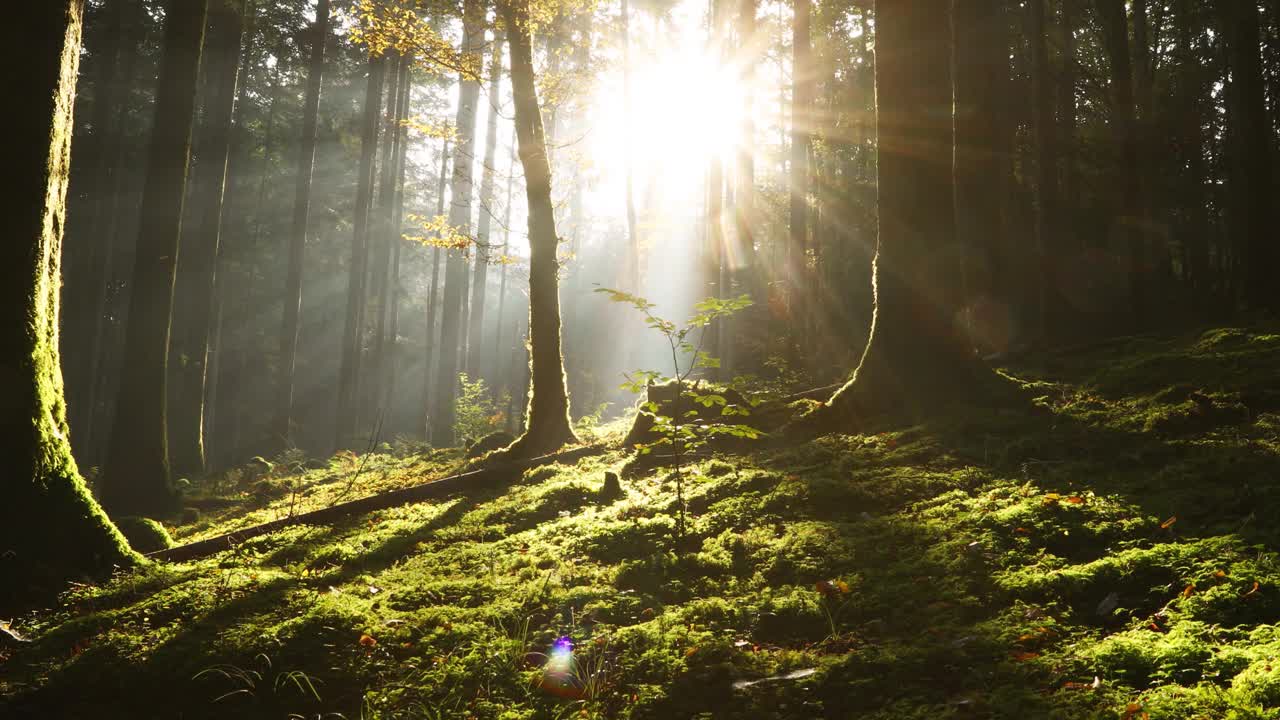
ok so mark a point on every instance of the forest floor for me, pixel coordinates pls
(1108, 551)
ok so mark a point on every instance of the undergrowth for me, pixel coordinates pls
(1105, 551)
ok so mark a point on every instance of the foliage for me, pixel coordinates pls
(476, 413)
(684, 431)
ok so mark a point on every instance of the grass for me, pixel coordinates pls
(1106, 551)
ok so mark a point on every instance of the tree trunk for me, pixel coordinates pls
(801, 77)
(631, 274)
(397, 213)
(981, 161)
(1067, 126)
(353, 329)
(1251, 218)
(50, 527)
(106, 225)
(455, 274)
(136, 475)
(196, 269)
(1046, 169)
(501, 378)
(547, 425)
(282, 426)
(433, 290)
(87, 267)
(484, 248)
(744, 183)
(383, 238)
(914, 358)
(1124, 129)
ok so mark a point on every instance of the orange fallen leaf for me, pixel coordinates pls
(1075, 500)
(1219, 574)
(690, 651)
(1022, 530)
(1023, 655)
(1169, 523)
(367, 640)
(1253, 589)
(1186, 592)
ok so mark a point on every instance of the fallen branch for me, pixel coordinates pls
(433, 490)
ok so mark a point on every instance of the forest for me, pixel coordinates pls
(525, 359)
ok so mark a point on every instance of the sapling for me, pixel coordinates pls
(685, 432)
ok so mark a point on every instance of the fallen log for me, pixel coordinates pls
(483, 478)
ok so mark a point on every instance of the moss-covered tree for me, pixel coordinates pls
(50, 526)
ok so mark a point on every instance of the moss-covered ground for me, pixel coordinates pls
(1108, 549)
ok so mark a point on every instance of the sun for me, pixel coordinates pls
(687, 108)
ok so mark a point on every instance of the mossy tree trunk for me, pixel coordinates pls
(196, 270)
(50, 527)
(547, 425)
(914, 356)
(136, 475)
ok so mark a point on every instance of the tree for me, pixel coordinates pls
(455, 272)
(1251, 215)
(547, 425)
(1046, 162)
(298, 238)
(197, 266)
(914, 358)
(484, 246)
(801, 96)
(433, 292)
(353, 327)
(50, 527)
(1124, 128)
(136, 475)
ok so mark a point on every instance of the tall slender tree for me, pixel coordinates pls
(136, 475)
(1124, 128)
(282, 426)
(50, 527)
(433, 293)
(801, 96)
(1252, 214)
(1046, 165)
(455, 274)
(197, 267)
(484, 247)
(353, 327)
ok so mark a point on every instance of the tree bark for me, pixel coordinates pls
(547, 425)
(455, 274)
(196, 269)
(50, 527)
(632, 271)
(397, 213)
(353, 328)
(283, 422)
(982, 161)
(433, 291)
(382, 236)
(914, 358)
(1124, 130)
(801, 96)
(136, 475)
(1046, 167)
(1251, 216)
(484, 247)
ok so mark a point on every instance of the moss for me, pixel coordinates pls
(976, 549)
(144, 534)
